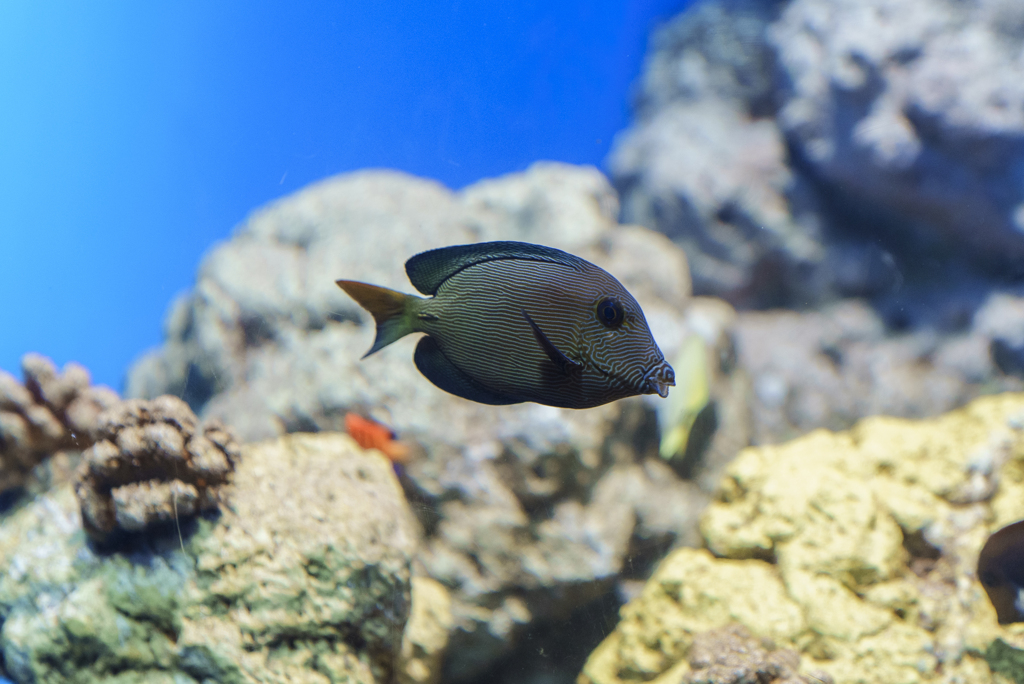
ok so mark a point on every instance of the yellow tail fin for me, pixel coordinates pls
(388, 308)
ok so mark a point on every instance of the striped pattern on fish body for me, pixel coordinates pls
(512, 322)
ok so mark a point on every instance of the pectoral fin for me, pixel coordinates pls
(563, 362)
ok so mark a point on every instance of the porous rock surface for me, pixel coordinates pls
(705, 164)
(152, 462)
(859, 549)
(51, 412)
(426, 634)
(731, 655)
(916, 108)
(304, 578)
(803, 150)
(530, 511)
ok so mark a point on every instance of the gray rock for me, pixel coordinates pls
(706, 164)
(1000, 322)
(712, 51)
(913, 112)
(830, 368)
(807, 150)
(717, 183)
(530, 511)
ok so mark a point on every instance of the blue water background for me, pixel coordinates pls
(134, 135)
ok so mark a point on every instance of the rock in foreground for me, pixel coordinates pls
(53, 412)
(304, 577)
(859, 549)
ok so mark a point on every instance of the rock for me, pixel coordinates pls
(712, 51)
(1000, 323)
(808, 150)
(706, 164)
(698, 166)
(727, 205)
(426, 634)
(53, 412)
(530, 511)
(829, 368)
(304, 578)
(152, 463)
(732, 656)
(913, 110)
(858, 549)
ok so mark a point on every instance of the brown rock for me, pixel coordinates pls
(731, 655)
(154, 462)
(52, 411)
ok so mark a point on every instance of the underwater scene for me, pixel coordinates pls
(734, 395)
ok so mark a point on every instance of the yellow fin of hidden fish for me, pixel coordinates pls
(693, 392)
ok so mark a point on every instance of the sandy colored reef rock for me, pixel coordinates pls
(51, 412)
(305, 577)
(858, 549)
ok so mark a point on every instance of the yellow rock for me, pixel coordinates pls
(692, 592)
(426, 634)
(857, 548)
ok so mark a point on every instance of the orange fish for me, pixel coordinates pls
(370, 434)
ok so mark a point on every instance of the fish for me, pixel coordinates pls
(1001, 572)
(369, 434)
(511, 322)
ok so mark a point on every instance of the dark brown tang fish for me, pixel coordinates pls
(1001, 571)
(510, 321)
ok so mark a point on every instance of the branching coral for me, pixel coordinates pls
(52, 411)
(152, 462)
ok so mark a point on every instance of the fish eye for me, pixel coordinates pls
(610, 312)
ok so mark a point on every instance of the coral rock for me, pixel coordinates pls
(859, 549)
(426, 633)
(153, 462)
(305, 579)
(52, 411)
(731, 655)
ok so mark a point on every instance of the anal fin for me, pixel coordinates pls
(436, 367)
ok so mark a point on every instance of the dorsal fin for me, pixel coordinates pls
(427, 270)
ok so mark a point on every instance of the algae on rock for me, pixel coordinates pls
(858, 549)
(304, 577)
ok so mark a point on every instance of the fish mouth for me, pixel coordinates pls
(655, 381)
(659, 379)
